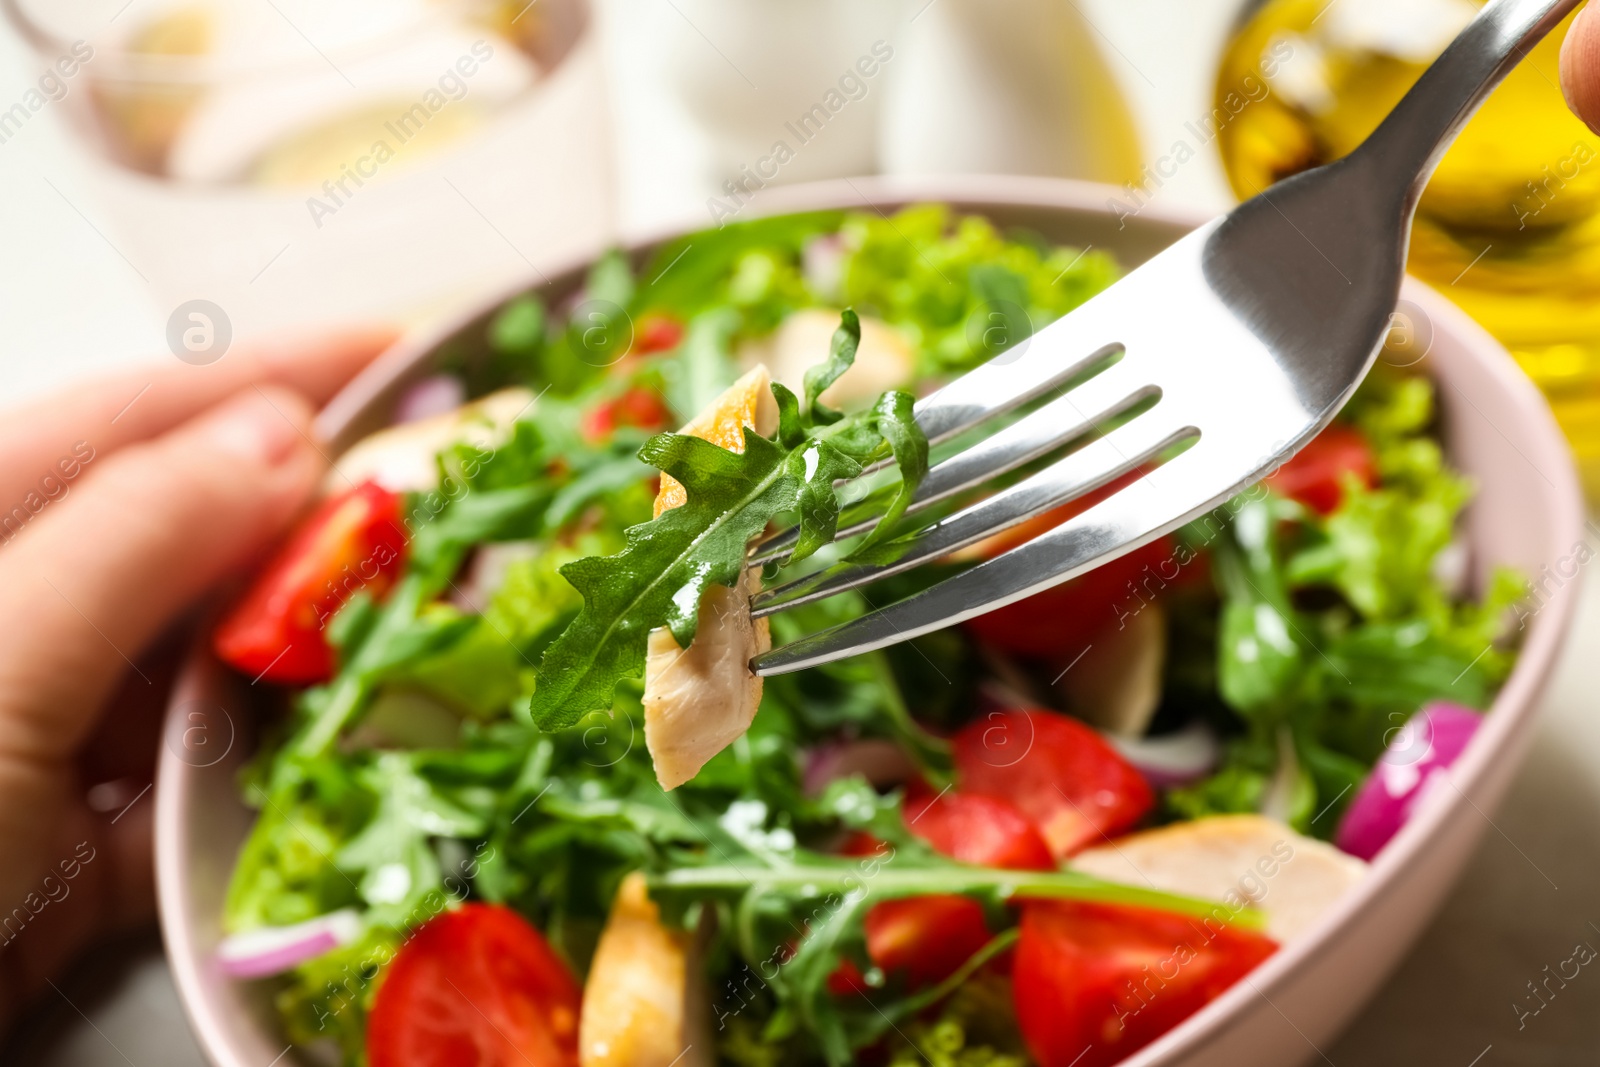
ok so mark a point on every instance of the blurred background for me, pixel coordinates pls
(297, 163)
(289, 164)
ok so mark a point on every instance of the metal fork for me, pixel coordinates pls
(1248, 335)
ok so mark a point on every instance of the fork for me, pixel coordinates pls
(1184, 383)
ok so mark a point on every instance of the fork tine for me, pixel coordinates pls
(1057, 424)
(1010, 380)
(1091, 468)
(997, 387)
(1149, 507)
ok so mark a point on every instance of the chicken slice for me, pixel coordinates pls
(405, 456)
(1242, 860)
(644, 1004)
(699, 700)
(1119, 687)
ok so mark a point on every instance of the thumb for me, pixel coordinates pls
(89, 584)
(1580, 68)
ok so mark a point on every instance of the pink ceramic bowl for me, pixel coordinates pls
(1527, 514)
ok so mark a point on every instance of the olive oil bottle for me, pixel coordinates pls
(1509, 226)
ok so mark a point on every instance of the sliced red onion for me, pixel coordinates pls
(275, 949)
(879, 761)
(1172, 759)
(822, 264)
(433, 395)
(1413, 765)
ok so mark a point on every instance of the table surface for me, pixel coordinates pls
(1530, 893)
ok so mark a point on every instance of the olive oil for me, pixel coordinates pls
(1509, 226)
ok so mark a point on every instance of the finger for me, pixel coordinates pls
(90, 877)
(89, 584)
(47, 444)
(86, 870)
(1580, 69)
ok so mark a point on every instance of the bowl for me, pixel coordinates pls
(1527, 514)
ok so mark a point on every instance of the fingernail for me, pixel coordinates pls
(255, 427)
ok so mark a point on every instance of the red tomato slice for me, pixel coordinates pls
(1095, 982)
(924, 940)
(657, 333)
(1058, 772)
(919, 940)
(352, 541)
(981, 830)
(475, 987)
(1062, 620)
(1315, 475)
(638, 407)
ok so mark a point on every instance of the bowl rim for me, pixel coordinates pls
(1506, 722)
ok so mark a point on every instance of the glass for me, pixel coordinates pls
(1508, 227)
(283, 93)
(299, 162)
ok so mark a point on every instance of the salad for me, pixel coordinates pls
(523, 802)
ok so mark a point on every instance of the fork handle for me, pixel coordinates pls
(1408, 144)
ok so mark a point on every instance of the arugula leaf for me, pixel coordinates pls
(760, 883)
(841, 356)
(821, 465)
(894, 418)
(666, 566)
(392, 852)
(659, 577)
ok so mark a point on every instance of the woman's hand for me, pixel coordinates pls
(121, 504)
(1580, 68)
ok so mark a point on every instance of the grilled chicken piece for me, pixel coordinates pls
(699, 700)
(1242, 860)
(644, 1004)
(1118, 688)
(403, 456)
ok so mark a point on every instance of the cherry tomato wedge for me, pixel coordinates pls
(919, 940)
(352, 541)
(924, 940)
(1095, 982)
(1315, 476)
(639, 407)
(476, 986)
(981, 830)
(1064, 619)
(657, 333)
(1058, 772)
